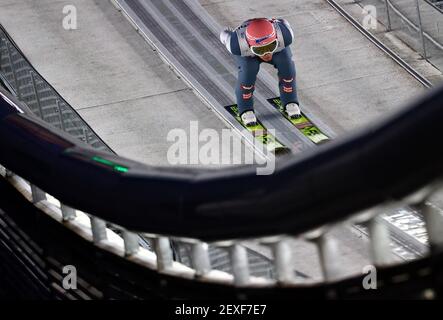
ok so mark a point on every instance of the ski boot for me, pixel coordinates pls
(248, 118)
(292, 110)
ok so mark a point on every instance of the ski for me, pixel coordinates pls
(303, 124)
(259, 132)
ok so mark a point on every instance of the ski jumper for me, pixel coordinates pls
(249, 63)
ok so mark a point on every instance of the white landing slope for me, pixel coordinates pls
(108, 73)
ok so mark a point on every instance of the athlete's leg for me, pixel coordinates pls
(287, 76)
(247, 75)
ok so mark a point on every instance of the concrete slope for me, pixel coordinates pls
(342, 77)
(106, 71)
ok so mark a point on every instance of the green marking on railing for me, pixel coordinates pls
(121, 169)
(114, 165)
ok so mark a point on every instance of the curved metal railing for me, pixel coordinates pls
(202, 201)
(306, 195)
(376, 164)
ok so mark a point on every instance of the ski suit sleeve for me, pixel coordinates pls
(230, 40)
(288, 33)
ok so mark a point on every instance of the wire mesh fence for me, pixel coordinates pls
(43, 100)
(419, 23)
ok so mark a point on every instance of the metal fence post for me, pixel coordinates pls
(68, 213)
(14, 75)
(283, 261)
(421, 30)
(163, 250)
(37, 194)
(328, 253)
(200, 258)
(131, 243)
(388, 14)
(85, 133)
(2, 41)
(98, 227)
(34, 85)
(239, 262)
(59, 109)
(379, 242)
(434, 223)
(8, 174)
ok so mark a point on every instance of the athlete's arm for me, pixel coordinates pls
(286, 29)
(229, 38)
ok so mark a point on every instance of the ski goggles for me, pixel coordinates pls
(268, 48)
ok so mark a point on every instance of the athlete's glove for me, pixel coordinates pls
(225, 35)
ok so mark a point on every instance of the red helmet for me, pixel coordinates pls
(260, 32)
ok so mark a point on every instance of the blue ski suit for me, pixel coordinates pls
(249, 64)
